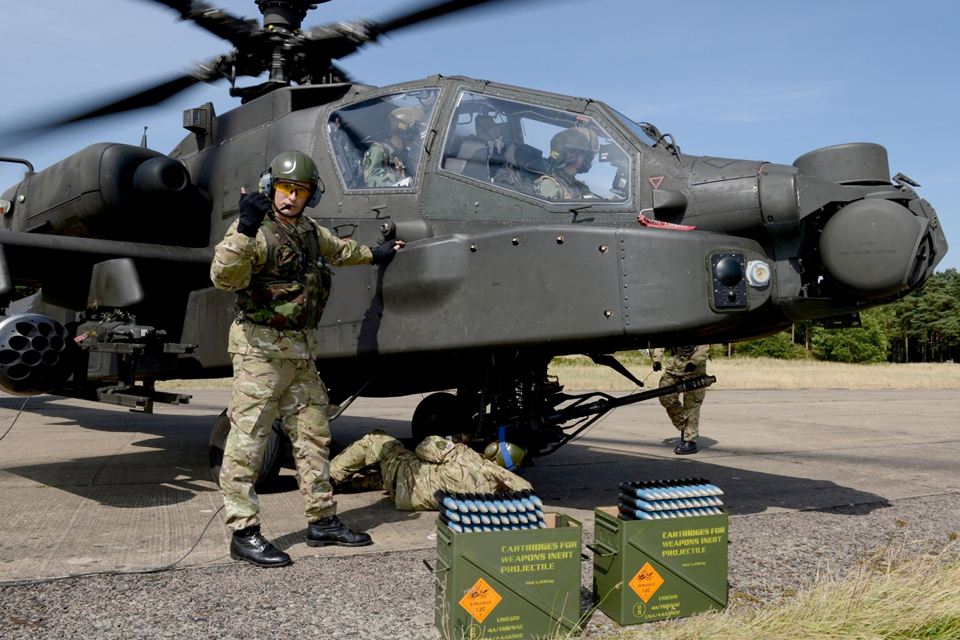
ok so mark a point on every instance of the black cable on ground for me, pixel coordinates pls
(25, 400)
(116, 573)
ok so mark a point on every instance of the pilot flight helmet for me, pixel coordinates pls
(406, 122)
(296, 166)
(515, 454)
(575, 140)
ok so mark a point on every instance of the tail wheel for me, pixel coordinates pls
(439, 414)
(269, 469)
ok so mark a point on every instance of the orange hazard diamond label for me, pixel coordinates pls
(646, 582)
(480, 600)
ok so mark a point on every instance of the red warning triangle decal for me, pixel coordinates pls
(655, 181)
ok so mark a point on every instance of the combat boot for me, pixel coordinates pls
(250, 546)
(686, 447)
(331, 531)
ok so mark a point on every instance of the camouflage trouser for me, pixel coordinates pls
(684, 414)
(375, 448)
(264, 388)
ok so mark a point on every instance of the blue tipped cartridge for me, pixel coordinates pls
(452, 515)
(537, 502)
(445, 500)
(453, 525)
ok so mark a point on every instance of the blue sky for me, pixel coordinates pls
(744, 79)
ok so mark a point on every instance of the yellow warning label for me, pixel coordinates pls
(646, 582)
(480, 600)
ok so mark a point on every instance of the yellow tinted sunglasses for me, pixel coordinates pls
(294, 190)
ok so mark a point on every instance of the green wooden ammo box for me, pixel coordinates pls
(647, 570)
(509, 585)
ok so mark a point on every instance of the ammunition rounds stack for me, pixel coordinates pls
(684, 498)
(661, 552)
(475, 512)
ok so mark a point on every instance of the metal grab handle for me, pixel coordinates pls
(597, 552)
(438, 569)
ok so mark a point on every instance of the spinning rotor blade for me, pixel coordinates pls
(431, 12)
(145, 98)
(239, 31)
(335, 41)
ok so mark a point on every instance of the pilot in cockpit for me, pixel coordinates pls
(571, 152)
(386, 163)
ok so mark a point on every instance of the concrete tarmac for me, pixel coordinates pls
(90, 487)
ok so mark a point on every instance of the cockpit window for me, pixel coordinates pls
(377, 142)
(542, 152)
(638, 129)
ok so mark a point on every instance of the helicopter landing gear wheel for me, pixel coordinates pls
(269, 468)
(439, 414)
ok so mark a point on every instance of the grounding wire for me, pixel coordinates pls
(22, 407)
(116, 573)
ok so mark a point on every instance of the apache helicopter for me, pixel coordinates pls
(536, 225)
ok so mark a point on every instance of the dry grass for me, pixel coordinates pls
(892, 597)
(579, 373)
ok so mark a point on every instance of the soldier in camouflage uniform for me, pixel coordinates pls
(276, 260)
(683, 363)
(411, 479)
(386, 163)
(571, 152)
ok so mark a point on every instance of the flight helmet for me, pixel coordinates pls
(406, 122)
(296, 166)
(514, 458)
(575, 140)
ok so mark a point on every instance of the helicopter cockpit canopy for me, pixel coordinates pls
(509, 143)
(643, 130)
(358, 128)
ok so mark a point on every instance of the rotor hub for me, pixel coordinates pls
(286, 13)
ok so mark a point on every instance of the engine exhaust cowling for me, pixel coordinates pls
(35, 354)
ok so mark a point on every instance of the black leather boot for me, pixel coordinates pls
(686, 447)
(331, 531)
(249, 545)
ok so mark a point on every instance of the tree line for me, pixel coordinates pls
(921, 327)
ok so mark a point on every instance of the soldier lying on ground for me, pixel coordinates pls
(379, 461)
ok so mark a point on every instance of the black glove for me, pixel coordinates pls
(384, 253)
(253, 208)
(657, 366)
(689, 367)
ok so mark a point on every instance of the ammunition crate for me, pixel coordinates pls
(648, 570)
(509, 585)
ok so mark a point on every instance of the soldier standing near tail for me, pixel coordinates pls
(439, 464)
(682, 364)
(275, 259)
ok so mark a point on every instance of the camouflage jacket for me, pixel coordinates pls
(384, 166)
(675, 363)
(282, 284)
(441, 465)
(560, 187)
